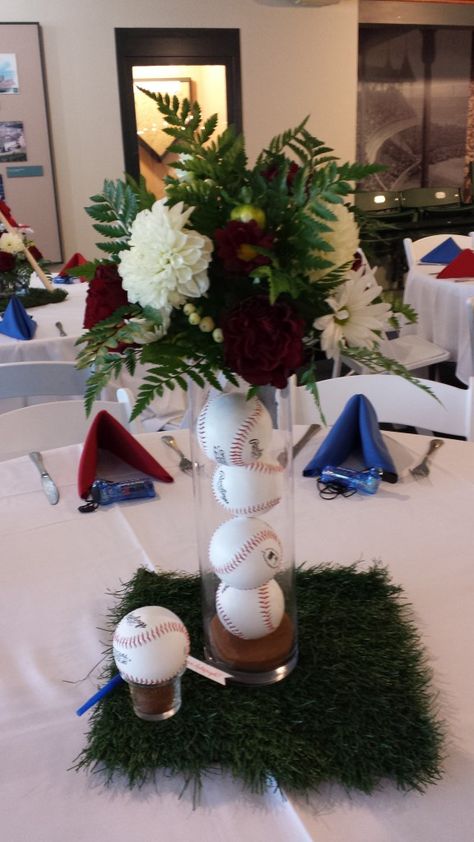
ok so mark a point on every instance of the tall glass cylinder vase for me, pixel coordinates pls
(243, 489)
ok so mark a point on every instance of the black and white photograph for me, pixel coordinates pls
(12, 141)
(8, 74)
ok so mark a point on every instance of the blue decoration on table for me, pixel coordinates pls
(356, 432)
(444, 253)
(63, 279)
(16, 322)
(103, 691)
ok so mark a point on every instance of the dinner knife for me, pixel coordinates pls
(310, 432)
(49, 486)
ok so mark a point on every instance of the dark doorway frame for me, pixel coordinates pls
(174, 46)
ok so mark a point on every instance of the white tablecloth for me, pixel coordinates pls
(442, 315)
(57, 570)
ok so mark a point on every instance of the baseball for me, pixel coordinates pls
(150, 645)
(234, 431)
(250, 614)
(248, 490)
(245, 552)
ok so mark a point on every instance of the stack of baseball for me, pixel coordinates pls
(251, 629)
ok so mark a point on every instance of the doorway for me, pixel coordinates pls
(199, 64)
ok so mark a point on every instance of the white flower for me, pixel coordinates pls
(12, 243)
(354, 321)
(166, 263)
(148, 331)
(343, 237)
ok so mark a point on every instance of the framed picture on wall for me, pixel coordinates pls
(12, 141)
(8, 74)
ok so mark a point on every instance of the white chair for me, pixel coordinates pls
(411, 350)
(45, 379)
(396, 401)
(415, 250)
(45, 426)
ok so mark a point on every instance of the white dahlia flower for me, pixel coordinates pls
(343, 237)
(166, 263)
(12, 243)
(354, 321)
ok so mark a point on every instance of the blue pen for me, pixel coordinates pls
(117, 679)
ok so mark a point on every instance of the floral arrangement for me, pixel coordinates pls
(248, 271)
(12, 250)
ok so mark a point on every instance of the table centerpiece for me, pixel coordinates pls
(237, 279)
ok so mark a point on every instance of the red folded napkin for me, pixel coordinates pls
(76, 260)
(461, 267)
(107, 433)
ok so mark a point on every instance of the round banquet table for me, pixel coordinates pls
(58, 569)
(442, 315)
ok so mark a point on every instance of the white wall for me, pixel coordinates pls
(295, 61)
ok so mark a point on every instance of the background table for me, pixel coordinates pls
(442, 315)
(47, 344)
(58, 568)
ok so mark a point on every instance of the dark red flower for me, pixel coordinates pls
(357, 261)
(263, 341)
(272, 171)
(105, 295)
(235, 246)
(7, 261)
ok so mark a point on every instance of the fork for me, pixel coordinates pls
(423, 469)
(185, 464)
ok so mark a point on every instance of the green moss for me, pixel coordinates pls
(358, 708)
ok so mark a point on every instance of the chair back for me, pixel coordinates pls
(45, 426)
(395, 400)
(45, 378)
(416, 249)
(470, 321)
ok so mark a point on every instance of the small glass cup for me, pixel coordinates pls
(155, 702)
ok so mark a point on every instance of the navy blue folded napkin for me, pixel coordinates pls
(355, 433)
(444, 253)
(16, 322)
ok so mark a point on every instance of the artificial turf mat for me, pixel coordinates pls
(358, 708)
(35, 297)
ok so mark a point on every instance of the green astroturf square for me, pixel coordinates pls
(36, 297)
(358, 708)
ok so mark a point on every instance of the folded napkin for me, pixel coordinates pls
(461, 267)
(16, 322)
(107, 433)
(443, 253)
(77, 259)
(356, 432)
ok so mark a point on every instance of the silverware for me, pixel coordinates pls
(59, 326)
(184, 464)
(423, 469)
(49, 486)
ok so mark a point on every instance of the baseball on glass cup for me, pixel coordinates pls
(150, 647)
(243, 496)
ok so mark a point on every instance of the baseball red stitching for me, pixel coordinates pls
(264, 603)
(201, 429)
(242, 554)
(242, 433)
(150, 634)
(225, 619)
(254, 509)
